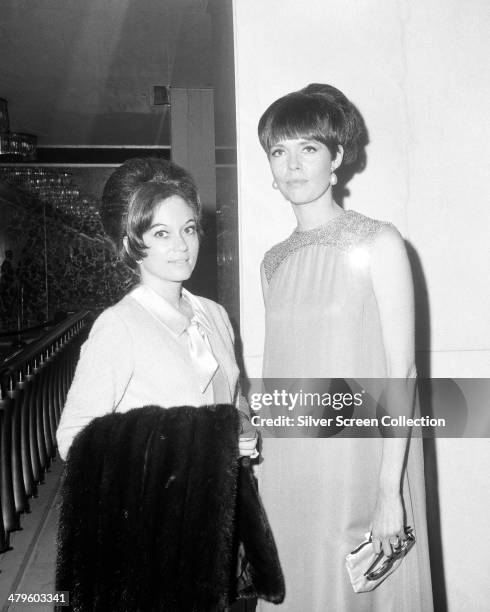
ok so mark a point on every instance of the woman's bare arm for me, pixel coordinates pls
(393, 287)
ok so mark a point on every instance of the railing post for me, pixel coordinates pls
(20, 496)
(25, 388)
(32, 377)
(10, 515)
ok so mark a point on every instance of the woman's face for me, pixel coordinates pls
(302, 168)
(173, 244)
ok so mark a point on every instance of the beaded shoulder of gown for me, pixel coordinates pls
(344, 232)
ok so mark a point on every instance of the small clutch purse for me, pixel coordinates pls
(367, 569)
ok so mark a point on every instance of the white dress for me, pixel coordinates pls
(322, 321)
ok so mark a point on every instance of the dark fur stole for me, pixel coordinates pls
(148, 518)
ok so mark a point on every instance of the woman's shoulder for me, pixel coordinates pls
(277, 254)
(381, 236)
(214, 312)
(116, 317)
(354, 229)
(110, 334)
(209, 306)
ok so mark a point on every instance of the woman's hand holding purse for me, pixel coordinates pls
(387, 525)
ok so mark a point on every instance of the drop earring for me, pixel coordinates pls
(333, 179)
(274, 185)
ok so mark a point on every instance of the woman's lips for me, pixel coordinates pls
(296, 183)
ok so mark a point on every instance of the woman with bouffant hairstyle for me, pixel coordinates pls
(160, 345)
(150, 174)
(339, 305)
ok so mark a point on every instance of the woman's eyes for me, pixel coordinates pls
(190, 230)
(305, 149)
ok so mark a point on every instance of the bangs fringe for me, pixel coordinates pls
(300, 116)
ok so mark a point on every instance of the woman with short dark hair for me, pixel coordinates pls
(160, 344)
(121, 190)
(339, 305)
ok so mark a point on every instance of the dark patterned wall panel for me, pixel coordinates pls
(48, 266)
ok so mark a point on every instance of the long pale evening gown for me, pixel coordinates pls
(322, 321)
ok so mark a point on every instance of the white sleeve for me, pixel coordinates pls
(102, 375)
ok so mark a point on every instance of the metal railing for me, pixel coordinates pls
(33, 387)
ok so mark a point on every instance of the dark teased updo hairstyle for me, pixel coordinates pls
(131, 195)
(317, 112)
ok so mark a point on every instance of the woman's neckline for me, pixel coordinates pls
(322, 225)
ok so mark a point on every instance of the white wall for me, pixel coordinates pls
(417, 72)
